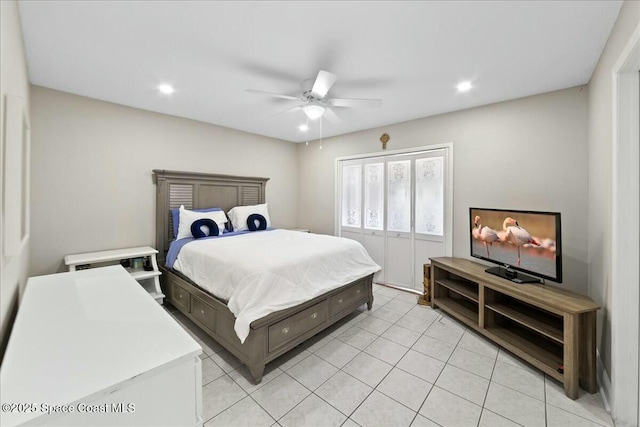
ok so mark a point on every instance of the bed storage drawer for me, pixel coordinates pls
(180, 297)
(203, 312)
(346, 298)
(291, 328)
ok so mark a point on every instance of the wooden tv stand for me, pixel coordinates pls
(545, 325)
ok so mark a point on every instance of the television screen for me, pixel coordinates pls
(521, 240)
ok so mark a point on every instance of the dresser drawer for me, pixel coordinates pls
(291, 328)
(180, 297)
(346, 298)
(204, 313)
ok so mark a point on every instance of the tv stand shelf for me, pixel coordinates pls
(461, 288)
(549, 327)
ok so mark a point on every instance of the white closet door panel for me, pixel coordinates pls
(425, 249)
(357, 236)
(399, 194)
(429, 196)
(398, 261)
(374, 195)
(351, 195)
(374, 244)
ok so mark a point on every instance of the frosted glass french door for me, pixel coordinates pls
(398, 236)
(373, 214)
(429, 210)
(395, 207)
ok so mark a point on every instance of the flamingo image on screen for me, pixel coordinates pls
(517, 235)
(528, 241)
(485, 234)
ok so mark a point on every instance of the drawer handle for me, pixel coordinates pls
(314, 315)
(179, 295)
(285, 331)
(358, 291)
(201, 311)
(340, 301)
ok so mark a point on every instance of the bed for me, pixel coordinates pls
(272, 335)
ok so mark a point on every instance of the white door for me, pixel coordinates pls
(396, 207)
(399, 239)
(429, 210)
(373, 218)
(351, 200)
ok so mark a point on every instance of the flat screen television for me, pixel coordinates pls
(520, 241)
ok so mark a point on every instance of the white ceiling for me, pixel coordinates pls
(410, 54)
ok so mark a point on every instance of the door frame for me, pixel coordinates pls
(625, 250)
(448, 218)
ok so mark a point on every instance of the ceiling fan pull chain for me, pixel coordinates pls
(307, 128)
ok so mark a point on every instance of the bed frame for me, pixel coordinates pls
(272, 335)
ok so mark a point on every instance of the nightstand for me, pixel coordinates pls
(149, 279)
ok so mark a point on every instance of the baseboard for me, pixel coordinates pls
(604, 383)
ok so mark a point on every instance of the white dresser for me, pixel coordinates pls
(94, 349)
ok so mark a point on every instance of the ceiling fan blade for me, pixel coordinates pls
(355, 102)
(323, 83)
(297, 107)
(277, 95)
(330, 115)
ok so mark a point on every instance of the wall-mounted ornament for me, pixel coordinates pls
(384, 139)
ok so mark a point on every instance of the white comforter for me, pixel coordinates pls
(264, 272)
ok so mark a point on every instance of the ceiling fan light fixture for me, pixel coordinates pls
(313, 111)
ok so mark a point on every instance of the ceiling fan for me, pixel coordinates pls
(314, 102)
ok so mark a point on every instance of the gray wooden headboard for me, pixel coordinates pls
(197, 191)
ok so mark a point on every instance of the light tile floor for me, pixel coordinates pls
(400, 364)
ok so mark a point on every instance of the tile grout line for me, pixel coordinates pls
(352, 412)
(495, 362)
(265, 410)
(599, 422)
(311, 392)
(334, 374)
(394, 366)
(204, 422)
(544, 386)
(403, 315)
(436, 380)
(410, 348)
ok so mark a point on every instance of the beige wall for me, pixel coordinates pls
(14, 81)
(92, 187)
(530, 153)
(600, 177)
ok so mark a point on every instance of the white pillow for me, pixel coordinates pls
(187, 218)
(239, 215)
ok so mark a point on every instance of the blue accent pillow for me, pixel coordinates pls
(261, 222)
(196, 228)
(175, 214)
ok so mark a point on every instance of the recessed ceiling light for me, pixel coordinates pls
(464, 86)
(166, 89)
(303, 128)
